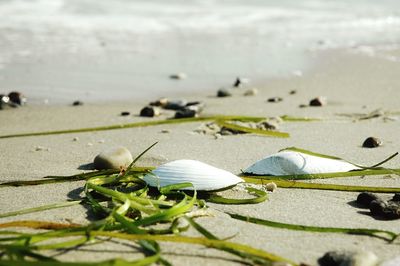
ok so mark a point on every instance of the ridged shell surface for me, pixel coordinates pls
(297, 163)
(201, 175)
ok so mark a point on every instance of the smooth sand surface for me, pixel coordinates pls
(351, 83)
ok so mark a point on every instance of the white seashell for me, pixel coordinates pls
(201, 175)
(297, 163)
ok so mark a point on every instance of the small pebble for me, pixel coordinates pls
(77, 103)
(75, 139)
(319, 101)
(292, 92)
(186, 113)
(150, 111)
(17, 98)
(387, 210)
(165, 131)
(238, 82)
(271, 186)
(303, 105)
(113, 158)
(267, 125)
(372, 142)
(125, 113)
(178, 76)
(275, 100)
(347, 258)
(251, 92)
(41, 148)
(396, 197)
(4, 101)
(223, 93)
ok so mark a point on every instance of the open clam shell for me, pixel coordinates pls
(297, 163)
(201, 175)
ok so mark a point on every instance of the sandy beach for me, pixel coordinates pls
(352, 83)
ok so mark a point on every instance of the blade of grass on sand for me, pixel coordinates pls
(304, 185)
(382, 234)
(260, 197)
(269, 133)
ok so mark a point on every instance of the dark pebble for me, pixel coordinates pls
(77, 103)
(149, 111)
(372, 142)
(17, 98)
(238, 82)
(303, 105)
(223, 93)
(275, 99)
(186, 113)
(125, 113)
(396, 197)
(319, 101)
(292, 92)
(175, 105)
(364, 199)
(377, 207)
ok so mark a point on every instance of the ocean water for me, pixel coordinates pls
(64, 50)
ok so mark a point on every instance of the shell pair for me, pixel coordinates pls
(206, 177)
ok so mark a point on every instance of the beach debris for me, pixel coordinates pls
(271, 187)
(251, 92)
(202, 176)
(303, 105)
(379, 207)
(372, 142)
(17, 98)
(77, 103)
(289, 162)
(113, 158)
(378, 113)
(292, 92)
(185, 113)
(319, 101)
(223, 93)
(238, 82)
(125, 113)
(75, 139)
(41, 148)
(175, 105)
(160, 102)
(150, 111)
(391, 262)
(364, 199)
(165, 131)
(348, 258)
(275, 99)
(179, 75)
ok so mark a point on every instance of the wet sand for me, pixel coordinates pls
(352, 84)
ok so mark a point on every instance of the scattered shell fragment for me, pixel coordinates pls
(201, 175)
(150, 111)
(319, 101)
(297, 163)
(160, 102)
(271, 187)
(251, 92)
(372, 142)
(113, 158)
(223, 93)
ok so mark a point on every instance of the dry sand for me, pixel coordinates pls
(352, 83)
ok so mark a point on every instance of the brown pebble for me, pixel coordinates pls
(275, 99)
(292, 92)
(319, 101)
(150, 111)
(271, 187)
(372, 142)
(223, 93)
(125, 113)
(303, 105)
